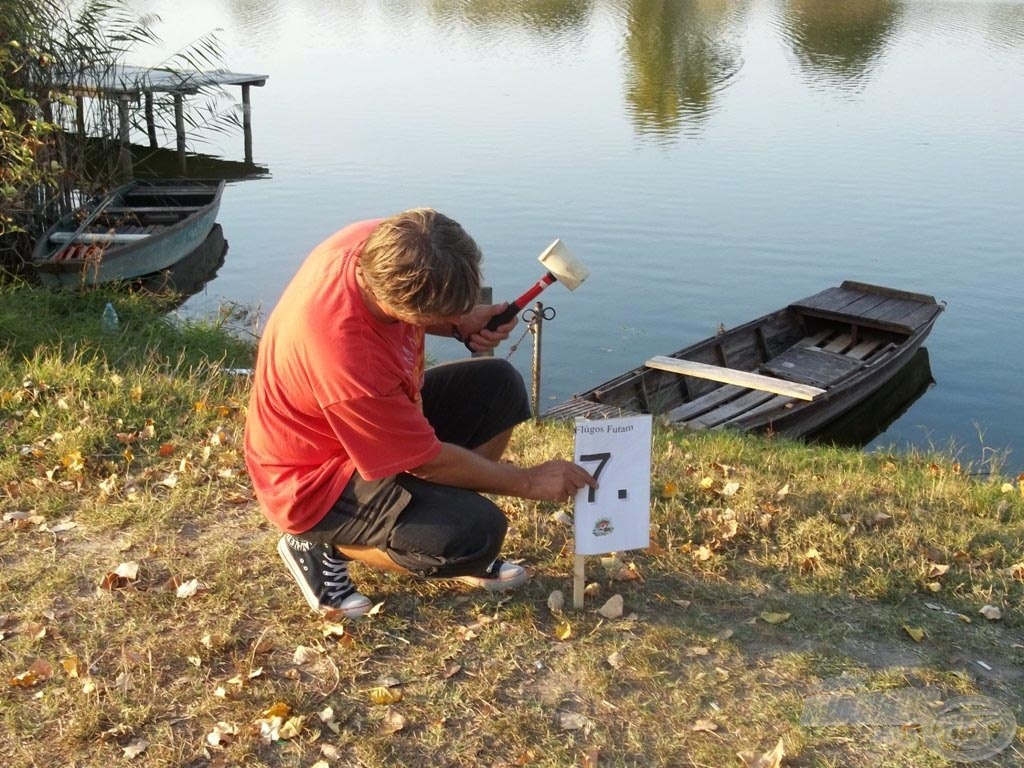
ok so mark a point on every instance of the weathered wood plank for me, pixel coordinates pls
(153, 209)
(839, 343)
(815, 339)
(866, 304)
(95, 237)
(864, 349)
(779, 401)
(811, 366)
(829, 300)
(703, 403)
(730, 410)
(577, 406)
(733, 376)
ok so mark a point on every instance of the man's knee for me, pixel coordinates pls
(460, 548)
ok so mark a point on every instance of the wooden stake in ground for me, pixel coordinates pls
(617, 515)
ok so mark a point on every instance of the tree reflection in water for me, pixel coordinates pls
(839, 43)
(680, 54)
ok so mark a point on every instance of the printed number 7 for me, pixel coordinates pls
(601, 459)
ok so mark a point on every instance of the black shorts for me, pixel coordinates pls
(430, 529)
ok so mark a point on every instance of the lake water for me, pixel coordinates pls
(709, 161)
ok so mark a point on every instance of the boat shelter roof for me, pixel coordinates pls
(130, 80)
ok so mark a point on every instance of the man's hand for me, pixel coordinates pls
(472, 327)
(556, 480)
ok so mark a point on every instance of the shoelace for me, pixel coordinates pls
(336, 577)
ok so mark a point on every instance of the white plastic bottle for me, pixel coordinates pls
(109, 319)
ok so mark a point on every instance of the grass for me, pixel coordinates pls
(126, 449)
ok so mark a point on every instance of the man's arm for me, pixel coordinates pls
(462, 468)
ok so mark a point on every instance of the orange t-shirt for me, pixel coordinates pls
(335, 391)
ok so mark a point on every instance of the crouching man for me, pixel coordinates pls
(356, 452)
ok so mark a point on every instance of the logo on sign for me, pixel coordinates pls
(603, 527)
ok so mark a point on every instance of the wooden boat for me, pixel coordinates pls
(137, 229)
(790, 372)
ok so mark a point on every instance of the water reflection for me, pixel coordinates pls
(859, 426)
(172, 286)
(1005, 25)
(839, 43)
(680, 54)
(545, 17)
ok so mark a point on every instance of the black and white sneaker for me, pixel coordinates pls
(500, 576)
(322, 575)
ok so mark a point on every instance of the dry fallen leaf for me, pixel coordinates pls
(384, 695)
(615, 660)
(563, 630)
(39, 671)
(775, 618)
(572, 721)
(556, 601)
(704, 725)
(703, 553)
(304, 655)
(135, 749)
(771, 759)
(291, 728)
(612, 609)
(991, 612)
(70, 666)
(221, 734)
(936, 570)
(393, 722)
(916, 633)
(190, 588)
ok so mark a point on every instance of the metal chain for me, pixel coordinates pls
(532, 321)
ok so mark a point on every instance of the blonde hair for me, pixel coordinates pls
(420, 262)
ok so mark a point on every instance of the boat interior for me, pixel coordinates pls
(740, 375)
(140, 213)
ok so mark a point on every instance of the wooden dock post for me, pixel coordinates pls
(80, 115)
(179, 129)
(247, 122)
(124, 137)
(150, 121)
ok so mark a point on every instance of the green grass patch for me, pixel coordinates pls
(777, 573)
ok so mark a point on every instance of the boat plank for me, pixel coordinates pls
(703, 403)
(810, 366)
(816, 339)
(839, 343)
(135, 209)
(916, 317)
(775, 403)
(864, 349)
(580, 407)
(734, 376)
(730, 410)
(829, 300)
(866, 306)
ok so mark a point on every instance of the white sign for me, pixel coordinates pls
(616, 516)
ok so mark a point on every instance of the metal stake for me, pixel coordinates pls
(536, 328)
